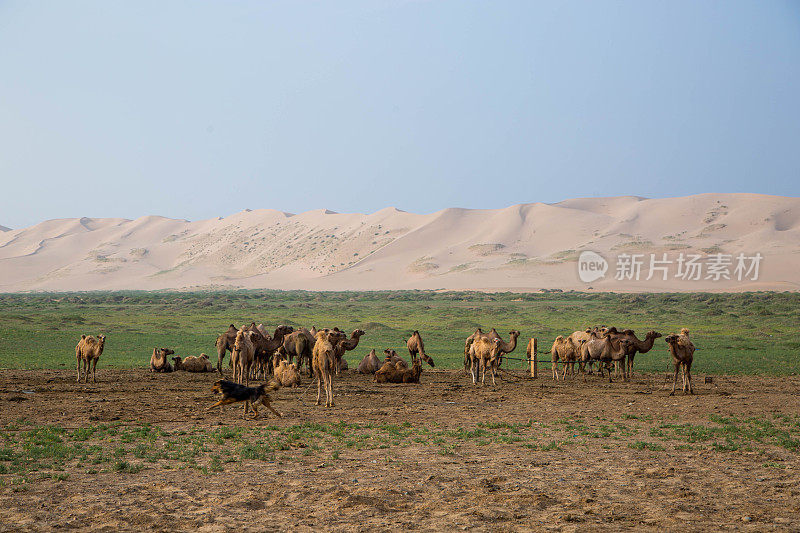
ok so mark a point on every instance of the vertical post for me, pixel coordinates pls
(534, 366)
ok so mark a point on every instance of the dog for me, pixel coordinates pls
(233, 393)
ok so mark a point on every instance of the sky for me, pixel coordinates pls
(202, 109)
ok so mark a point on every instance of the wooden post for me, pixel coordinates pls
(534, 366)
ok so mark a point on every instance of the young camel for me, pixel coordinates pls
(563, 350)
(88, 351)
(682, 350)
(370, 364)
(394, 359)
(324, 364)
(416, 346)
(158, 361)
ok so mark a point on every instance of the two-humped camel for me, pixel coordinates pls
(417, 347)
(682, 350)
(88, 351)
(324, 363)
(486, 351)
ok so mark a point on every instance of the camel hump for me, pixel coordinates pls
(559, 338)
(83, 337)
(685, 331)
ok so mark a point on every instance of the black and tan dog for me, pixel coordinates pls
(234, 393)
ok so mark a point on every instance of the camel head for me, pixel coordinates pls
(589, 330)
(101, 339)
(167, 351)
(358, 333)
(653, 335)
(202, 356)
(389, 354)
(282, 331)
(428, 359)
(514, 333)
(177, 360)
(671, 339)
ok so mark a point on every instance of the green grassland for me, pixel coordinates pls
(751, 333)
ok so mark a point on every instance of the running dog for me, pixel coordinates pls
(233, 393)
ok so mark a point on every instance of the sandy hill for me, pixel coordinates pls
(522, 247)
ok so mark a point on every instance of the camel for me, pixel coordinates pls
(345, 345)
(637, 345)
(370, 364)
(243, 355)
(682, 350)
(300, 344)
(416, 346)
(467, 343)
(565, 351)
(394, 359)
(287, 375)
(393, 374)
(158, 361)
(605, 349)
(225, 343)
(266, 345)
(484, 353)
(88, 351)
(324, 364)
(193, 364)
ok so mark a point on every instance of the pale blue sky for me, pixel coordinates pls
(200, 109)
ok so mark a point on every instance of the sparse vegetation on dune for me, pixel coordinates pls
(729, 330)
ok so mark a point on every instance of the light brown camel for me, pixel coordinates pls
(637, 345)
(682, 350)
(287, 375)
(370, 364)
(563, 350)
(159, 362)
(191, 363)
(324, 364)
(88, 351)
(467, 343)
(484, 353)
(225, 343)
(243, 355)
(416, 346)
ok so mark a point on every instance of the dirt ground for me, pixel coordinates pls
(562, 480)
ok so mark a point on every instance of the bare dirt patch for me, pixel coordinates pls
(138, 450)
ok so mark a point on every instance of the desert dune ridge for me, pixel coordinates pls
(523, 247)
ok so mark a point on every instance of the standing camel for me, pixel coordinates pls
(324, 364)
(345, 345)
(88, 351)
(416, 346)
(224, 343)
(682, 350)
(484, 353)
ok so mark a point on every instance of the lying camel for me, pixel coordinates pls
(158, 361)
(324, 364)
(416, 346)
(394, 359)
(682, 350)
(394, 374)
(88, 351)
(193, 364)
(225, 343)
(370, 364)
(287, 375)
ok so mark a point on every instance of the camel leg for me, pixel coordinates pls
(675, 380)
(555, 370)
(94, 371)
(473, 371)
(319, 387)
(330, 388)
(79, 368)
(689, 377)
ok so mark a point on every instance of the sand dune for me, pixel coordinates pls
(524, 247)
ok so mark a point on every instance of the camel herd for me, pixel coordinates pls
(255, 353)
